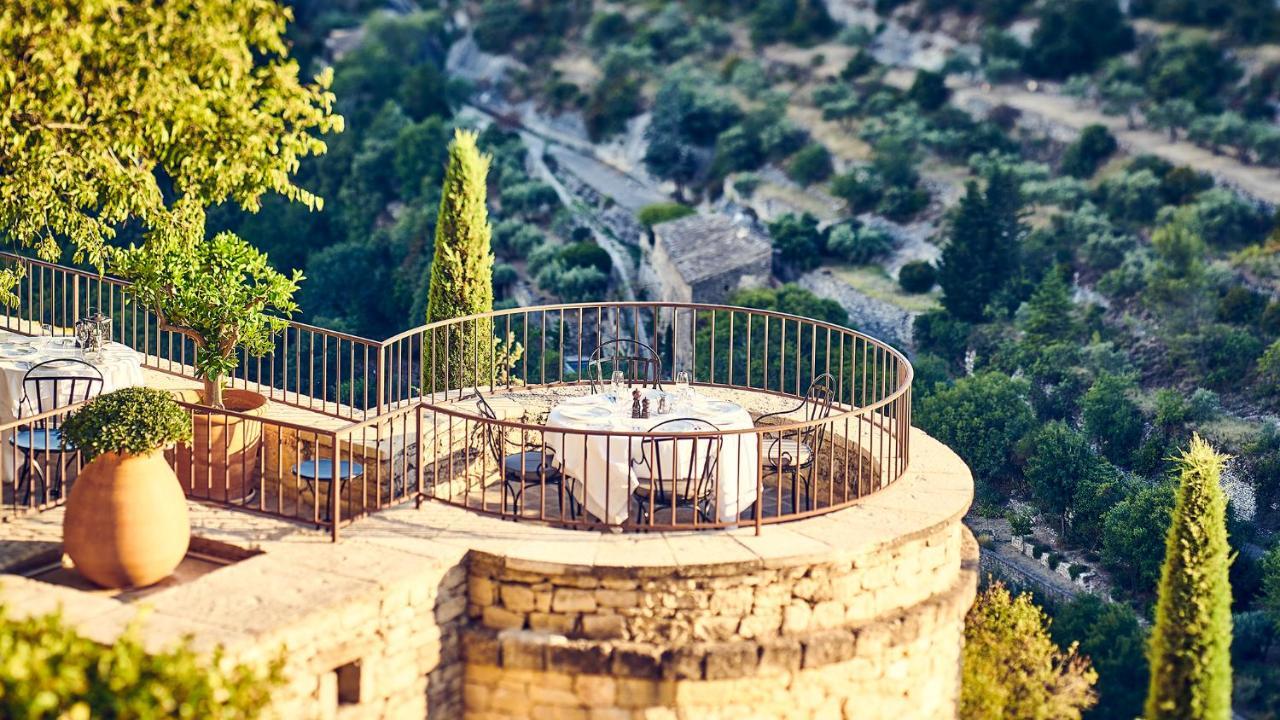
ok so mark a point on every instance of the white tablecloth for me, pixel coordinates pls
(119, 365)
(585, 457)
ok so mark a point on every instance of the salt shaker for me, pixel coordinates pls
(644, 408)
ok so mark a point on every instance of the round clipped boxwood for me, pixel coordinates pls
(130, 421)
(917, 276)
(126, 522)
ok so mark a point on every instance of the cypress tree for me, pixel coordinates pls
(1191, 645)
(461, 273)
(966, 284)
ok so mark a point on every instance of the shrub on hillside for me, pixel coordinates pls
(1083, 157)
(917, 276)
(810, 164)
(657, 213)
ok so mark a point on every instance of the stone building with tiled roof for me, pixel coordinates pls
(704, 258)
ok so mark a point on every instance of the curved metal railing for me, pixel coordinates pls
(522, 468)
(405, 414)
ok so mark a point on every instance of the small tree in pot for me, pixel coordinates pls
(126, 521)
(221, 292)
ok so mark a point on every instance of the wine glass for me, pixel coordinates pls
(682, 385)
(618, 383)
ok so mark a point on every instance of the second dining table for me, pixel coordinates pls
(603, 470)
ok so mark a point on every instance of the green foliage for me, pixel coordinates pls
(222, 292)
(917, 276)
(462, 270)
(982, 417)
(1191, 641)
(929, 90)
(938, 332)
(586, 254)
(95, 132)
(1058, 459)
(1013, 669)
(1083, 157)
(1131, 197)
(811, 164)
(1112, 418)
(1186, 67)
(795, 21)
(1133, 536)
(1271, 586)
(1075, 36)
(796, 240)
(53, 673)
(981, 254)
(1050, 313)
(657, 213)
(129, 421)
(1223, 219)
(857, 243)
(1110, 636)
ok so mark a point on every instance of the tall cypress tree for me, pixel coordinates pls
(461, 273)
(965, 271)
(1191, 644)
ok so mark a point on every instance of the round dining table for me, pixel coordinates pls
(603, 470)
(120, 367)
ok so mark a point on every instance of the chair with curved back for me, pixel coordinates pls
(635, 359)
(793, 453)
(678, 479)
(533, 464)
(46, 387)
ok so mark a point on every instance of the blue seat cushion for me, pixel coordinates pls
(40, 440)
(323, 470)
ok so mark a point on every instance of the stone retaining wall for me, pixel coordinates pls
(897, 664)
(716, 602)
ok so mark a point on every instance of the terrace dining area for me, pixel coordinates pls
(616, 416)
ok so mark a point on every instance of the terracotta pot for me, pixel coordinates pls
(224, 464)
(126, 520)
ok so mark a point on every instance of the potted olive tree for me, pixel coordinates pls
(223, 294)
(126, 520)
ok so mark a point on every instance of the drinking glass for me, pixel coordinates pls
(682, 385)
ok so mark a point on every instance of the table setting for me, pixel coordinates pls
(120, 366)
(612, 466)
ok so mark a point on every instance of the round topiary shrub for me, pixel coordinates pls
(129, 421)
(917, 276)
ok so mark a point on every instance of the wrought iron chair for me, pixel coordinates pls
(46, 387)
(686, 485)
(533, 464)
(794, 453)
(318, 475)
(635, 359)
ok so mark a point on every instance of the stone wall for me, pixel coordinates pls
(874, 637)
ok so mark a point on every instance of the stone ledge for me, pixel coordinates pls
(935, 491)
(548, 652)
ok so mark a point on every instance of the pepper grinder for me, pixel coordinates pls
(635, 403)
(644, 409)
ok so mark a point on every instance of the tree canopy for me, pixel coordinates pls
(118, 111)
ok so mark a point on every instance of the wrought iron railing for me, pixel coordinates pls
(406, 421)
